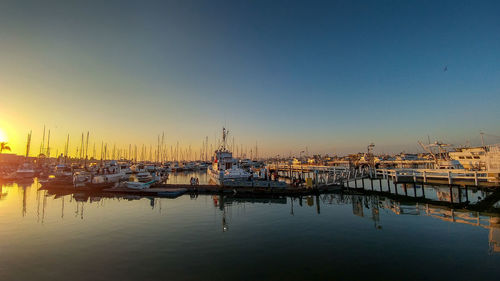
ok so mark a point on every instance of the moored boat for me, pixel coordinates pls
(224, 167)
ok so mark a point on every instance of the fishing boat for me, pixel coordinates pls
(175, 167)
(63, 175)
(144, 177)
(99, 181)
(26, 170)
(189, 166)
(138, 168)
(481, 158)
(125, 168)
(224, 167)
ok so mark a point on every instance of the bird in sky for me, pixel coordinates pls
(445, 68)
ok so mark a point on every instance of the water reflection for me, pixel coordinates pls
(370, 206)
(180, 230)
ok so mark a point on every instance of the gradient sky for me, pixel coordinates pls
(332, 76)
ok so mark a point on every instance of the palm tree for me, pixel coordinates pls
(4, 146)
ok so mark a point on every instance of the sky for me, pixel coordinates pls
(329, 76)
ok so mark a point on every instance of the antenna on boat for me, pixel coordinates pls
(482, 138)
(225, 133)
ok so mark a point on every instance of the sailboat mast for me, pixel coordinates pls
(86, 150)
(28, 144)
(42, 146)
(48, 145)
(102, 147)
(66, 147)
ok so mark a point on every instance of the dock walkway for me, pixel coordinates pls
(163, 189)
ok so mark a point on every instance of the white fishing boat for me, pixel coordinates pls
(144, 177)
(86, 179)
(442, 159)
(175, 167)
(479, 158)
(224, 167)
(125, 168)
(138, 168)
(62, 175)
(189, 166)
(26, 170)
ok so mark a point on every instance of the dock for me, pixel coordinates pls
(443, 177)
(164, 190)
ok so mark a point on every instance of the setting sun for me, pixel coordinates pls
(3, 136)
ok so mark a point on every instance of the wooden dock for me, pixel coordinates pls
(161, 190)
(433, 176)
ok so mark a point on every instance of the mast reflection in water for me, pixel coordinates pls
(50, 236)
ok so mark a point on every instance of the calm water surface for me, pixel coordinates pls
(47, 236)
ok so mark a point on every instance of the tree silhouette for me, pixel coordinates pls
(4, 146)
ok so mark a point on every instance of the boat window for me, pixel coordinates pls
(469, 157)
(477, 157)
(461, 157)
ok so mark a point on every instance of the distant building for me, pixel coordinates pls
(11, 159)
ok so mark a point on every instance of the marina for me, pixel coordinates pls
(327, 226)
(249, 140)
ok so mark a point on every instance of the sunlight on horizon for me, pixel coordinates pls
(3, 136)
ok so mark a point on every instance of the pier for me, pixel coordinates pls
(179, 189)
(436, 176)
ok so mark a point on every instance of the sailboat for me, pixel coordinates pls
(26, 169)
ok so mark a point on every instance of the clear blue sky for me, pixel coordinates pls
(329, 75)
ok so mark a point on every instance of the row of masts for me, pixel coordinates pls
(159, 153)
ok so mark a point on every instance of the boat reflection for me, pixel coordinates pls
(372, 207)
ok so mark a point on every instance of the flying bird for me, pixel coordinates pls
(445, 68)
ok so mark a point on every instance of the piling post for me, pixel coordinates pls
(466, 194)
(380, 184)
(415, 189)
(451, 195)
(450, 181)
(363, 182)
(425, 177)
(396, 188)
(475, 178)
(371, 183)
(405, 186)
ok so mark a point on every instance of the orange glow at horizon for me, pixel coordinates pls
(3, 136)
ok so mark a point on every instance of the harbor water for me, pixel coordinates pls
(54, 236)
